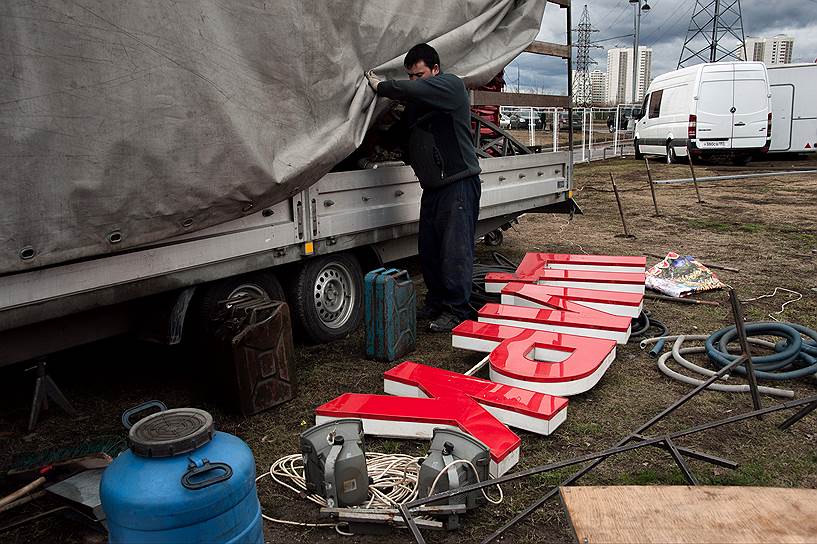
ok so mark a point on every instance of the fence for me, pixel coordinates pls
(598, 133)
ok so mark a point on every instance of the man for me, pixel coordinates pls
(441, 152)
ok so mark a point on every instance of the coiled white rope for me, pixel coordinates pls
(394, 480)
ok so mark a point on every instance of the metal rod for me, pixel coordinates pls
(713, 459)
(404, 508)
(682, 300)
(740, 326)
(652, 186)
(694, 178)
(620, 209)
(734, 176)
(681, 462)
(799, 415)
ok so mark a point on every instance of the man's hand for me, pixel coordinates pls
(374, 81)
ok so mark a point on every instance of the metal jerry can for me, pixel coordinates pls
(390, 305)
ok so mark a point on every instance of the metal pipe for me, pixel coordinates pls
(734, 176)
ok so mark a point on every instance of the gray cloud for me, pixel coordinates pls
(663, 28)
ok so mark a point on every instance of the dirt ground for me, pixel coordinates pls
(765, 227)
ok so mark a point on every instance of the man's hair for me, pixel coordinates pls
(422, 52)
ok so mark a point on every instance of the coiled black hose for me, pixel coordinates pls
(793, 357)
(644, 322)
(479, 296)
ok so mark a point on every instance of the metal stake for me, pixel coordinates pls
(652, 186)
(620, 209)
(740, 326)
(694, 178)
(45, 387)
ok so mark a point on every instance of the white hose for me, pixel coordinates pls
(678, 352)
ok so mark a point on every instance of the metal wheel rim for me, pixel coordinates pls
(249, 289)
(334, 295)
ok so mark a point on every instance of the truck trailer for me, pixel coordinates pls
(794, 109)
(161, 159)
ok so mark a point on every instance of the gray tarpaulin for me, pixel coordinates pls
(140, 116)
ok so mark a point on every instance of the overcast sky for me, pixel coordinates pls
(663, 29)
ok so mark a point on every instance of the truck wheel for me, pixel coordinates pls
(671, 158)
(493, 238)
(638, 155)
(326, 297)
(208, 306)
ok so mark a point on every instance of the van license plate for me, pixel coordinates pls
(721, 143)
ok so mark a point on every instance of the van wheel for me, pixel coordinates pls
(208, 305)
(638, 155)
(327, 297)
(671, 158)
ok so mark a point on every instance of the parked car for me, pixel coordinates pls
(721, 108)
(578, 116)
(625, 115)
(521, 120)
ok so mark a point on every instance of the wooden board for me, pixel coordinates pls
(684, 514)
(490, 98)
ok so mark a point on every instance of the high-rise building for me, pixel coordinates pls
(598, 87)
(775, 50)
(595, 94)
(620, 74)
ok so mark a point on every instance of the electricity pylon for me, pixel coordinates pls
(715, 33)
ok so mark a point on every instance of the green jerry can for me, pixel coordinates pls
(390, 314)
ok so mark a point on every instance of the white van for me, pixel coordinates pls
(715, 109)
(794, 108)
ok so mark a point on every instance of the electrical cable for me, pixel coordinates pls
(394, 482)
(470, 464)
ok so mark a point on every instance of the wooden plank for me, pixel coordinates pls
(685, 514)
(550, 49)
(488, 98)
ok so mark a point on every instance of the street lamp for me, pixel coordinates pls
(639, 7)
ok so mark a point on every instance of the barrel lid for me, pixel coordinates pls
(171, 432)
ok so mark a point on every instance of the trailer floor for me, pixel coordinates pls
(765, 227)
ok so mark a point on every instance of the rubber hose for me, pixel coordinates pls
(714, 386)
(791, 355)
(644, 323)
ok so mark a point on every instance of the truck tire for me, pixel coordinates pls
(671, 158)
(207, 302)
(638, 155)
(326, 297)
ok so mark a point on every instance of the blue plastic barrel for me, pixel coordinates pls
(181, 481)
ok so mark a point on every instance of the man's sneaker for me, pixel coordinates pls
(428, 312)
(444, 323)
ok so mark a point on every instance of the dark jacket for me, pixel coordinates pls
(438, 118)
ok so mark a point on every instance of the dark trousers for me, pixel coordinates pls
(448, 219)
